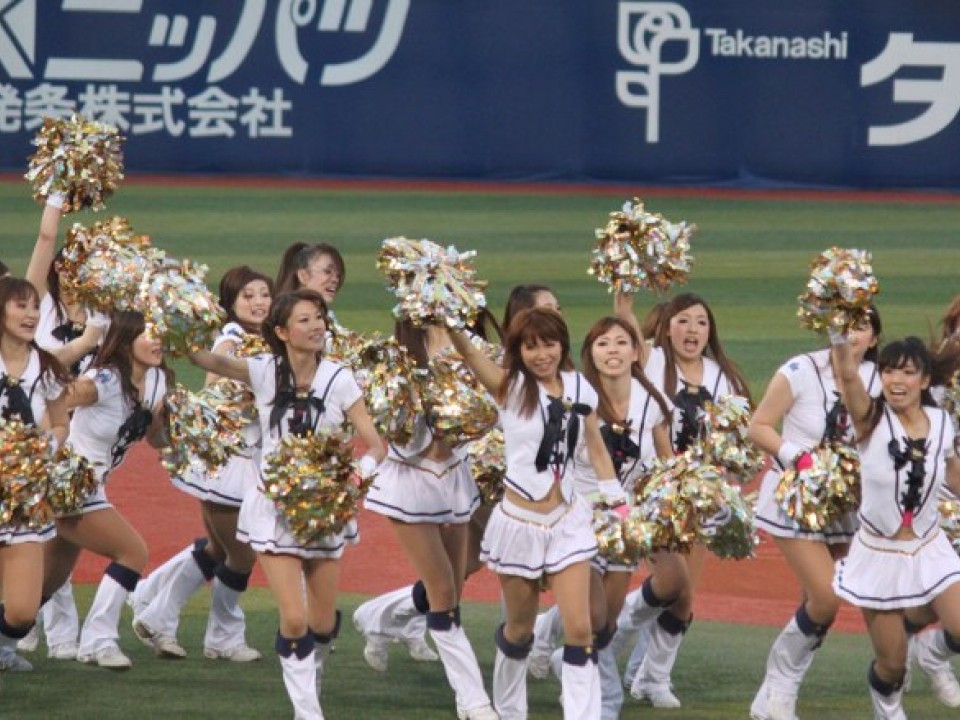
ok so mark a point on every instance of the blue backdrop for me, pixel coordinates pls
(859, 93)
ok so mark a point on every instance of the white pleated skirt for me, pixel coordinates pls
(17, 534)
(774, 520)
(228, 487)
(883, 574)
(263, 527)
(424, 491)
(520, 542)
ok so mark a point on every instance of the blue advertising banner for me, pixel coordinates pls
(862, 93)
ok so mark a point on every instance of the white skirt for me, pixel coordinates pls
(884, 574)
(228, 487)
(424, 491)
(17, 534)
(531, 545)
(97, 500)
(262, 526)
(774, 520)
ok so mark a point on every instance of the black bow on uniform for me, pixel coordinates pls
(914, 452)
(619, 444)
(67, 331)
(132, 430)
(550, 451)
(307, 409)
(18, 404)
(689, 402)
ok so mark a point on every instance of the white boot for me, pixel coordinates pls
(636, 655)
(933, 657)
(611, 689)
(61, 623)
(640, 607)
(386, 615)
(886, 698)
(459, 661)
(148, 588)
(546, 631)
(226, 623)
(580, 683)
(787, 664)
(100, 629)
(162, 615)
(300, 676)
(652, 681)
(510, 677)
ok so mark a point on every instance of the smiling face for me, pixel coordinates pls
(323, 276)
(689, 332)
(305, 329)
(902, 386)
(613, 352)
(147, 348)
(541, 358)
(253, 303)
(21, 315)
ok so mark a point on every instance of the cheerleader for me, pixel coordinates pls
(804, 398)
(218, 558)
(426, 491)
(298, 392)
(117, 402)
(689, 367)
(317, 267)
(901, 568)
(71, 333)
(542, 531)
(633, 425)
(31, 389)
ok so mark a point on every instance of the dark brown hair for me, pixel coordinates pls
(117, 351)
(529, 326)
(605, 407)
(280, 311)
(951, 320)
(522, 297)
(298, 257)
(18, 290)
(232, 284)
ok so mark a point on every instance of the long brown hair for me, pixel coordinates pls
(18, 290)
(117, 351)
(528, 327)
(950, 322)
(592, 374)
(298, 257)
(713, 348)
(232, 284)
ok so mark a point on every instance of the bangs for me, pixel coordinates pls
(540, 324)
(18, 289)
(900, 353)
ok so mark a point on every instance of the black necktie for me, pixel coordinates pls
(18, 404)
(306, 410)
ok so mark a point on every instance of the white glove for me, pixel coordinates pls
(837, 337)
(368, 466)
(56, 200)
(612, 492)
(98, 319)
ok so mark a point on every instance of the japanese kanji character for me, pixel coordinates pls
(156, 111)
(11, 109)
(264, 109)
(212, 112)
(106, 104)
(45, 100)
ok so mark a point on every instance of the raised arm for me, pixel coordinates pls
(855, 396)
(623, 309)
(46, 247)
(75, 349)
(486, 370)
(221, 365)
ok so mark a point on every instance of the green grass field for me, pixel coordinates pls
(752, 260)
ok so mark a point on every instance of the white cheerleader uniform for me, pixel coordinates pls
(815, 395)
(260, 523)
(880, 572)
(53, 333)
(235, 479)
(39, 390)
(104, 432)
(643, 415)
(521, 542)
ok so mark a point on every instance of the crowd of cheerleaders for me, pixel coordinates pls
(570, 438)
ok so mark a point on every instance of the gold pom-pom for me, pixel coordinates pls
(839, 292)
(72, 481)
(205, 428)
(79, 158)
(25, 454)
(725, 441)
(638, 249)
(950, 521)
(623, 540)
(435, 285)
(314, 482)
(488, 465)
(816, 496)
(951, 398)
(457, 408)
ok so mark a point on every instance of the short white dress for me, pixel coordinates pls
(39, 388)
(882, 573)
(260, 522)
(815, 401)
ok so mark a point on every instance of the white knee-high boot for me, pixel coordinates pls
(547, 629)
(226, 623)
(886, 697)
(100, 629)
(640, 607)
(580, 682)
(933, 651)
(459, 661)
(325, 644)
(10, 635)
(510, 677)
(611, 689)
(636, 655)
(61, 623)
(787, 664)
(387, 615)
(652, 681)
(148, 587)
(300, 675)
(175, 587)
